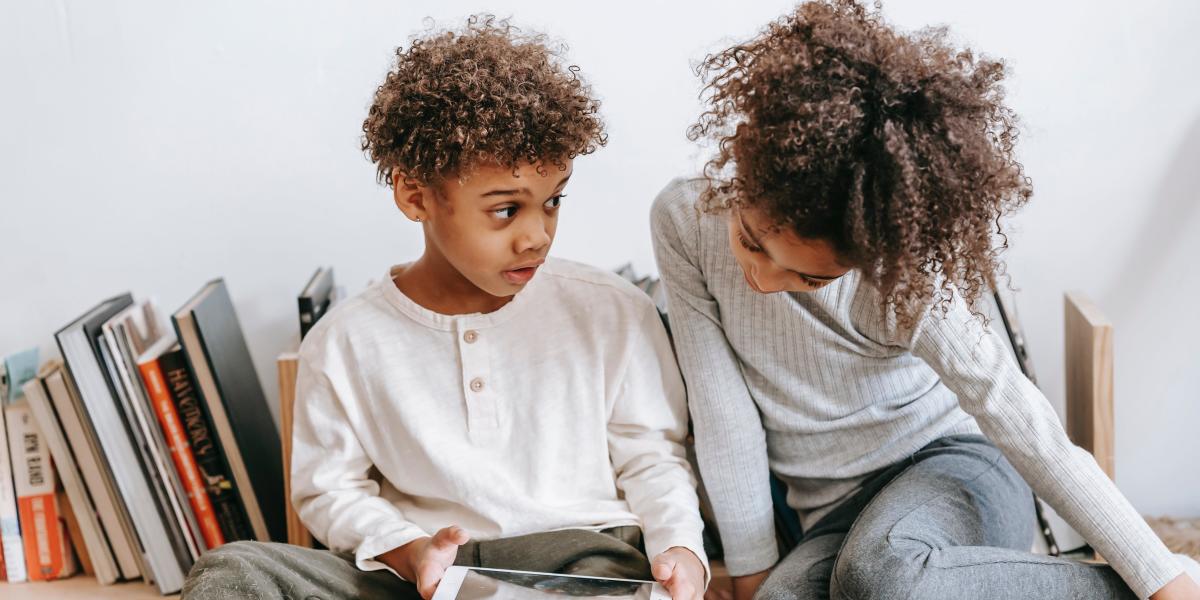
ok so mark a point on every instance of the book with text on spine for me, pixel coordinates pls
(149, 364)
(17, 369)
(47, 552)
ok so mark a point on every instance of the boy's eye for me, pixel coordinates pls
(746, 244)
(507, 212)
(816, 283)
(555, 201)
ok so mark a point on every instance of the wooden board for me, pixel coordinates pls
(287, 363)
(79, 587)
(1088, 349)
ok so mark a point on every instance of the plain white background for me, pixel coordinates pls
(152, 146)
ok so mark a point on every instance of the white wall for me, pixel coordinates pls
(151, 146)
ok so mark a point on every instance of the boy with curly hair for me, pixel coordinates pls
(822, 286)
(518, 411)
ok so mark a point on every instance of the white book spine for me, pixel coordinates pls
(48, 551)
(81, 504)
(10, 527)
(89, 463)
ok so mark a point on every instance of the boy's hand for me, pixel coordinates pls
(424, 561)
(681, 572)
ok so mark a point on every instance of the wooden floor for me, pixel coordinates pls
(78, 588)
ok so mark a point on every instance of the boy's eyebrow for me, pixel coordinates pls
(524, 191)
(754, 240)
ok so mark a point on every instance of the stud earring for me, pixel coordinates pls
(417, 219)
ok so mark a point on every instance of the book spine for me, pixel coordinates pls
(47, 552)
(75, 532)
(10, 525)
(181, 453)
(216, 479)
(308, 316)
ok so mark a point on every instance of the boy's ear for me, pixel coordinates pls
(411, 197)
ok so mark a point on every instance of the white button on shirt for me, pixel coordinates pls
(563, 409)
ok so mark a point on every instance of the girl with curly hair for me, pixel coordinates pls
(823, 280)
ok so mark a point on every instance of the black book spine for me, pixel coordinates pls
(310, 313)
(220, 486)
(308, 316)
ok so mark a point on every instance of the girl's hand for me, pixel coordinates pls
(1180, 588)
(744, 586)
(681, 572)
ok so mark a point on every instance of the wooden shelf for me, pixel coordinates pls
(78, 587)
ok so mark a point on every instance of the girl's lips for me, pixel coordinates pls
(520, 276)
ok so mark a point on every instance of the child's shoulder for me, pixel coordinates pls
(592, 286)
(679, 199)
(358, 312)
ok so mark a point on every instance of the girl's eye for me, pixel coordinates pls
(507, 212)
(746, 244)
(554, 202)
(816, 283)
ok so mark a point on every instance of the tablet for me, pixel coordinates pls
(469, 583)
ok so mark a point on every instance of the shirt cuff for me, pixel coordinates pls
(389, 538)
(1164, 568)
(757, 558)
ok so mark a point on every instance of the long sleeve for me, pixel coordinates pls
(1015, 416)
(331, 488)
(646, 431)
(731, 445)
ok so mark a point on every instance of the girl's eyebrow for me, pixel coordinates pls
(754, 240)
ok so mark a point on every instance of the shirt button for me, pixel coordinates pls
(470, 336)
(476, 384)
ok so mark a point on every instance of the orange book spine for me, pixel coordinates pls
(181, 453)
(47, 553)
(45, 539)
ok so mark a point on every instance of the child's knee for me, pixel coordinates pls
(234, 568)
(875, 570)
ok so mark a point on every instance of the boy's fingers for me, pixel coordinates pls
(428, 578)
(449, 537)
(662, 568)
(429, 575)
(683, 591)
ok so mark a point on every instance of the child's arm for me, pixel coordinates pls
(646, 430)
(331, 489)
(1016, 417)
(731, 445)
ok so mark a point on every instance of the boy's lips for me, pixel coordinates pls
(521, 275)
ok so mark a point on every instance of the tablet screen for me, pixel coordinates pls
(509, 585)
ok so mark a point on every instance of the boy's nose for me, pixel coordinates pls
(534, 236)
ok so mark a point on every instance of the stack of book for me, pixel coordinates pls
(161, 438)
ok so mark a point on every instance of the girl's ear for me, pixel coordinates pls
(411, 197)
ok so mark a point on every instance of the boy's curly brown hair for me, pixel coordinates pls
(896, 149)
(487, 94)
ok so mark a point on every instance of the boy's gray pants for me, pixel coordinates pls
(954, 520)
(270, 570)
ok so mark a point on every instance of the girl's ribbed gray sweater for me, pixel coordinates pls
(820, 389)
